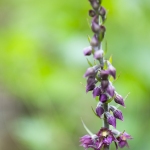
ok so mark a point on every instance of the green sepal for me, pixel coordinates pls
(94, 112)
(105, 49)
(96, 98)
(110, 59)
(89, 39)
(85, 127)
(109, 100)
(118, 105)
(90, 64)
(105, 65)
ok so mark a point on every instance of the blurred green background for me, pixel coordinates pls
(42, 93)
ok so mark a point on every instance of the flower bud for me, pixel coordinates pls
(112, 71)
(104, 74)
(99, 109)
(102, 32)
(94, 41)
(102, 13)
(110, 90)
(104, 84)
(87, 51)
(111, 119)
(92, 13)
(95, 27)
(90, 84)
(116, 112)
(94, 4)
(91, 71)
(103, 98)
(96, 91)
(98, 54)
(118, 99)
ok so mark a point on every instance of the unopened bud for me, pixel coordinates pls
(98, 54)
(92, 13)
(103, 98)
(99, 109)
(118, 99)
(104, 84)
(112, 70)
(110, 90)
(116, 112)
(111, 119)
(102, 12)
(87, 51)
(90, 84)
(94, 41)
(96, 91)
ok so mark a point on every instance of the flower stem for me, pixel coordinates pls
(106, 125)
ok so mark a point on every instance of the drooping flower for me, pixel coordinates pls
(99, 109)
(88, 141)
(110, 119)
(90, 83)
(116, 112)
(122, 139)
(105, 137)
(110, 89)
(118, 99)
(103, 98)
(87, 51)
(96, 91)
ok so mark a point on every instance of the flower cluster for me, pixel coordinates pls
(98, 81)
(104, 138)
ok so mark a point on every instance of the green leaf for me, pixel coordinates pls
(90, 64)
(85, 127)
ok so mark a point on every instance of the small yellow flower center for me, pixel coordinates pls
(104, 133)
(124, 138)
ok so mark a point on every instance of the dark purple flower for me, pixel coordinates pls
(92, 71)
(96, 91)
(104, 84)
(87, 51)
(112, 70)
(102, 12)
(99, 109)
(92, 13)
(118, 99)
(88, 141)
(111, 119)
(94, 4)
(90, 84)
(105, 137)
(95, 26)
(103, 98)
(94, 41)
(122, 140)
(98, 54)
(89, 72)
(116, 112)
(110, 89)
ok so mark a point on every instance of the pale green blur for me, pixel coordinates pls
(42, 67)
